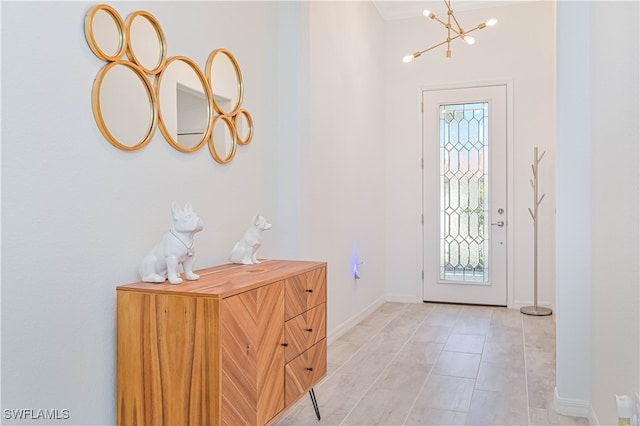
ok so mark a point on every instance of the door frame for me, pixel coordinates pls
(508, 83)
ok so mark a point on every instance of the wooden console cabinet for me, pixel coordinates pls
(238, 346)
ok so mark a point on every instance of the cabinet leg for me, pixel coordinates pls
(314, 401)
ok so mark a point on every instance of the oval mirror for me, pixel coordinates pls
(146, 42)
(225, 77)
(223, 143)
(184, 104)
(104, 31)
(243, 124)
(123, 104)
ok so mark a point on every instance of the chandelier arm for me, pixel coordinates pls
(460, 30)
(435, 18)
(433, 47)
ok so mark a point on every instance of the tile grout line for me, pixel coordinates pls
(360, 346)
(387, 365)
(413, 404)
(475, 381)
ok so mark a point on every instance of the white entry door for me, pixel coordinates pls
(464, 192)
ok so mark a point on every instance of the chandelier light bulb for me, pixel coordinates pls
(426, 13)
(491, 22)
(407, 59)
(469, 39)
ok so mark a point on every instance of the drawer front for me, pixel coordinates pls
(304, 331)
(305, 371)
(305, 291)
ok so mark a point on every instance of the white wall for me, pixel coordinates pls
(343, 172)
(573, 315)
(598, 317)
(614, 204)
(78, 215)
(520, 49)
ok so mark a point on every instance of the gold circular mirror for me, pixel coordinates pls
(184, 104)
(123, 104)
(243, 123)
(104, 30)
(146, 42)
(223, 142)
(225, 77)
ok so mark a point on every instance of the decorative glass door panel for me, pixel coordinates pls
(464, 195)
(464, 192)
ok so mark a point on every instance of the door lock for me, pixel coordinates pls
(499, 223)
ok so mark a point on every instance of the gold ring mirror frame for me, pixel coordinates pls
(92, 40)
(162, 42)
(243, 113)
(97, 110)
(239, 80)
(234, 140)
(124, 42)
(207, 94)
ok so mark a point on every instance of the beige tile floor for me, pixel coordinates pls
(437, 364)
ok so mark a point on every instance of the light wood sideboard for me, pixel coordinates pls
(238, 346)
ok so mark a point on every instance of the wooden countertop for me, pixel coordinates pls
(226, 280)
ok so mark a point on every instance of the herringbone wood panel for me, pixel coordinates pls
(305, 371)
(304, 331)
(252, 355)
(305, 291)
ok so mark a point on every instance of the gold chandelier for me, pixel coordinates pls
(453, 31)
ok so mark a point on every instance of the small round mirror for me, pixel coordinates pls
(225, 77)
(124, 105)
(184, 104)
(146, 41)
(243, 124)
(223, 143)
(104, 30)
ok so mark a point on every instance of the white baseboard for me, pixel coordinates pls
(401, 298)
(571, 407)
(340, 330)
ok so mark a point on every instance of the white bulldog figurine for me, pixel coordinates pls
(245, 251)
(176, 248)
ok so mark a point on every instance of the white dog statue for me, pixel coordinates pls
(245, 251)
(176, 248)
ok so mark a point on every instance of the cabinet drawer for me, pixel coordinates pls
(305, 371)
(304, 331)
(305, 291)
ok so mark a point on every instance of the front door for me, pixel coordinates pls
(464, 193)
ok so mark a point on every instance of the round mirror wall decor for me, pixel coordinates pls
(183, 100)
(223, 143)
(225, 77)
(127, 122)
(146, 42)
(184, 104)
(104, 31)
(243, 124)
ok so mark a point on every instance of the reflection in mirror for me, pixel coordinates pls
(146, 41)
(243, 124)
(225, 77)
(104, 30)
(190, 104)
(222, 143)
(182, 84)
(128, 122)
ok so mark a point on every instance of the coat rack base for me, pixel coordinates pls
(538, 311)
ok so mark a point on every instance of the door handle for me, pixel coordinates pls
(499, 223)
